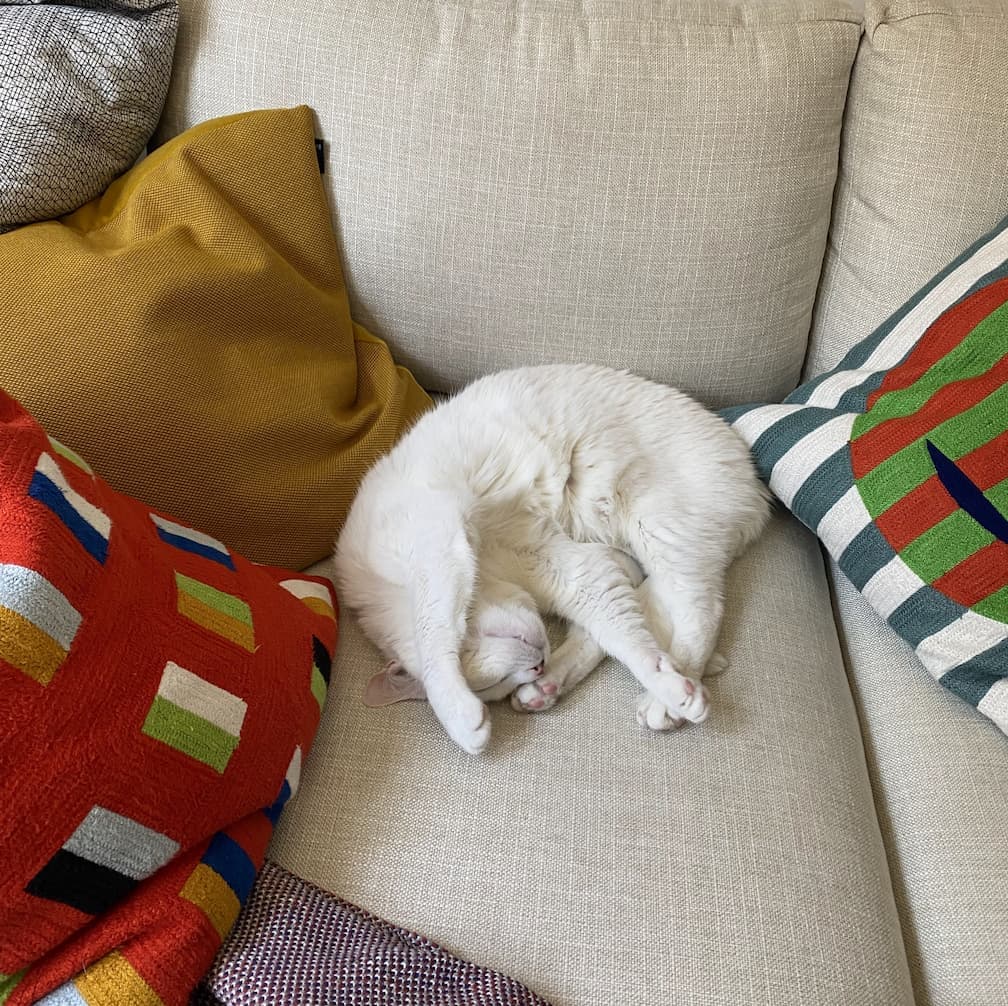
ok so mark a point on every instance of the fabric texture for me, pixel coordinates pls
(190, 332)
(898, 459)
(921, 175)
(735, 862)
(82, 86)
(158, 693)
(940, 777)
(295, 943)
(640, 184)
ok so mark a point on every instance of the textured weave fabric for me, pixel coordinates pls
(925, 141)
(189, 332)
(157, 695)
(940, 776)
(641, 183)
(295, 943)
(735, 862)
(81, 89)
(898, 459)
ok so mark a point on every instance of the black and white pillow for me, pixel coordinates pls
(82, 84)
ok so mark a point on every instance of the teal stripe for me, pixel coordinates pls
(776, 441)
(923, 614)
(824, 487)
(975, 678)
(865, 556)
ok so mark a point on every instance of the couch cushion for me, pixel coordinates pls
(940, 775)
(638, 184)
(922, 175)
(739, 861)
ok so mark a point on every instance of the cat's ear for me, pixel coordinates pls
(393, 684)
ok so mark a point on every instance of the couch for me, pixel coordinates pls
(724, 196)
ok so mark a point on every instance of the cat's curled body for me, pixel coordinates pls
(528, 493)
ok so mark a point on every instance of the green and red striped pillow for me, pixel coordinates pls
(898, 460)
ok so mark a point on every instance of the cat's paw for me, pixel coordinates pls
(465, 718)
(536, 696)
(682, 696)
(652, 714)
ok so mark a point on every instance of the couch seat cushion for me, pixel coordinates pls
(940, 775)
(739, 861)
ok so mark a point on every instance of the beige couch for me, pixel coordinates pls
(720, 196)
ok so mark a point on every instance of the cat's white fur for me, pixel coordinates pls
(528, 493)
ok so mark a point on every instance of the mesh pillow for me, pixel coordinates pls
(81, 92)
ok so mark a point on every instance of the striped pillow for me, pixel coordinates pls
(898, 460)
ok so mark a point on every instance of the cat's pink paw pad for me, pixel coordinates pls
(534, 697)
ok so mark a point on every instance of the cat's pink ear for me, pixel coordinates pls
(393, 684)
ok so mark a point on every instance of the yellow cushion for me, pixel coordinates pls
(189, 333)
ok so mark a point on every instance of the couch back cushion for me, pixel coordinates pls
(922, 169)
(635, 183)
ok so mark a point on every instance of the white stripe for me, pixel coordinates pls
(32, 596)
(752, 425)
(187, 532)
(965, 638)
(294, 771)
(901, 339)
(995, 704)
(793, 469)
(200, 697)
(305, 588)
(893, 584)
(88, 512)
(843, 522)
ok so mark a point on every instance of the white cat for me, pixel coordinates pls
(551, 489)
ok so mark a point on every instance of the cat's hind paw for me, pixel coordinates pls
(652, 714)
(536, 696)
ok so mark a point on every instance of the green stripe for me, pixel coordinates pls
(945, 545)
(227, 604)
(72, 456)
(983, 347)
(318, 686)
(994, 606)
(891, 480)
(189, 733)
(7, 983)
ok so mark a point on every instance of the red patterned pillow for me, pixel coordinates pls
(157, 696)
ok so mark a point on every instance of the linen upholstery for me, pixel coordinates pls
(925, 141)
(940, 775)
(637, 183)
(739, 861)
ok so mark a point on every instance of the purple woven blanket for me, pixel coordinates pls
(296, 944)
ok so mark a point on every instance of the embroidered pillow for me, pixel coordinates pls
(898, 460)
(158, 693)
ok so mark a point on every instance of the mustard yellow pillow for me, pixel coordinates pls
(189, 332)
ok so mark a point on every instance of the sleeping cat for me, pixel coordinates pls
(551, 489)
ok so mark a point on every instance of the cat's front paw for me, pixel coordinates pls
(536, 696)
(465, 718)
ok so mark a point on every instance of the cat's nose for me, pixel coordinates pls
(538, 670)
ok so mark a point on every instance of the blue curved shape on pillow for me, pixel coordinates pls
(968, 495)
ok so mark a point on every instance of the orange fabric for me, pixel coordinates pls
(190, 333)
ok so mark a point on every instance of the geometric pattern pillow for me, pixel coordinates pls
(158, 694)
(898, 460)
